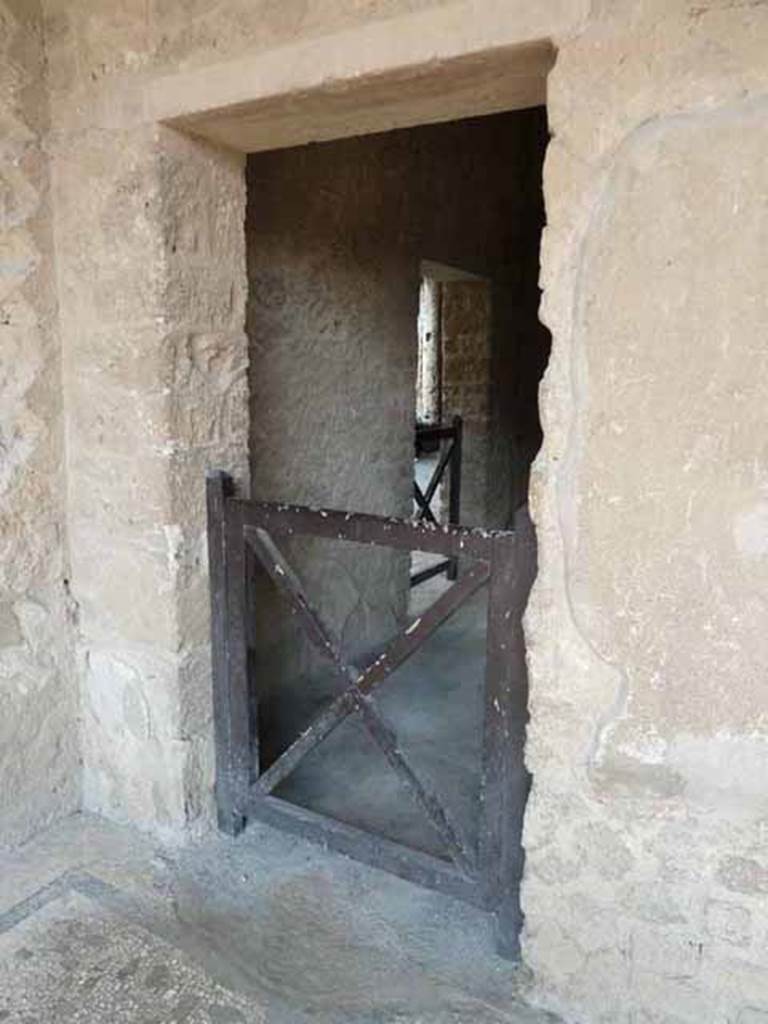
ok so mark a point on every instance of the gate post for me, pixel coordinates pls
(226, 561)
(506, 781)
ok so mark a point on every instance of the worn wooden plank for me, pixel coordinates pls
(505, 779)
(422, 627)
(428, 432)
(360, 528)
(454, 486)
(366, 680)
(439, 470)
(322, 726)
(228, 656)
(433, 570)
(375, 850)
(424, 498)
(288, 583)
(383, 735)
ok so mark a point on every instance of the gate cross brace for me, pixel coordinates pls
(360, 684)
(424, 498)
(425, 510)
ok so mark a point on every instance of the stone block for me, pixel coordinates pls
(743, 874)
(729, 922)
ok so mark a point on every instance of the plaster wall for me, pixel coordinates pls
(467, 341)
(151, 277)
(645, 885)
(152, 303)
(336, 235)
(39, 733)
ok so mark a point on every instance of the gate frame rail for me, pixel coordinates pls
(451, 460)
(489, 875)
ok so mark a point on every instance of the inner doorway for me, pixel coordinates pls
(342, 237)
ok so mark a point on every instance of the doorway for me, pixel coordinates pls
(343, 238)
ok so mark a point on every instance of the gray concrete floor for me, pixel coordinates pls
(100, 924)
(435, 704)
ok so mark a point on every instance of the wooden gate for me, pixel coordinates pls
(486, 871)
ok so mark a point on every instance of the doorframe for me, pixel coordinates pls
(464, 59)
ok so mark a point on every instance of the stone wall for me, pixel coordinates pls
(151, 274)
(336, 236)
(39, 733)
(467, 343)
(645, 887)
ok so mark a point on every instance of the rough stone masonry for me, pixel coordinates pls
(124, 375)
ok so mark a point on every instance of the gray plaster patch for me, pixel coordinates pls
(73, 961)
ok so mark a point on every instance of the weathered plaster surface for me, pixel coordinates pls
(39, 773)
(151, 266)
(467, 342)
(646, 832)
(645, 886)
(151, 274)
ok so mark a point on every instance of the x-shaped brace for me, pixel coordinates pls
(359, 685)
(424, 498)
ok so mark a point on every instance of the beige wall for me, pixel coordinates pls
(647, 866)
(39, 773)
(151, 271)
(646, 877)
(152, 298)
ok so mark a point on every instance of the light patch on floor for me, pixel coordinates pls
(73, 961)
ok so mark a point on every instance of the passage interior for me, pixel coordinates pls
(393, 282)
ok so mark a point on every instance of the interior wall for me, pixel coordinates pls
(39, 730)
(336, 234)
(150, 255)
(151, 265)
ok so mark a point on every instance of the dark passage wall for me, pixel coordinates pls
(336, 233)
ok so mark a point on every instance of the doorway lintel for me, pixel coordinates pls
(420, 68)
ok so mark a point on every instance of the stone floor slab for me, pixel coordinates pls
(100, 924)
